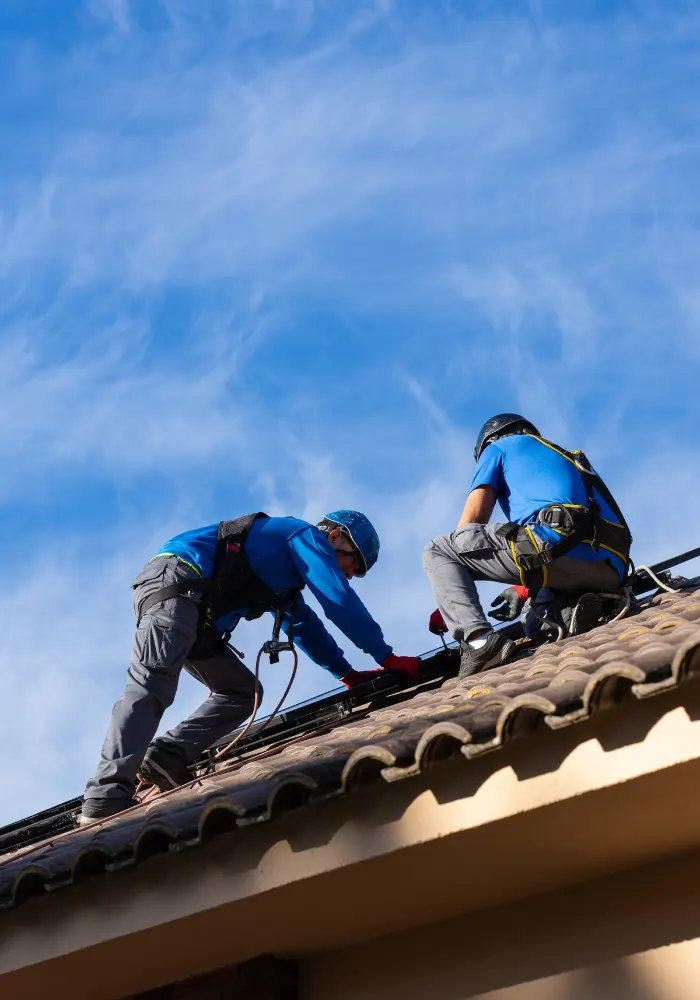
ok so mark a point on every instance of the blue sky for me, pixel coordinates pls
(289, 256)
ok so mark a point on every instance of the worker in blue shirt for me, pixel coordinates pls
(190, 597)
(564, 532)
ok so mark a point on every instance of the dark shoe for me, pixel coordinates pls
(164, 769)
(495, 651)
(96, 809)
(585, 615)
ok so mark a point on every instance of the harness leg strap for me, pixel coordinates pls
(174, 590)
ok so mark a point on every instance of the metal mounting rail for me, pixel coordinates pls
(675, 560)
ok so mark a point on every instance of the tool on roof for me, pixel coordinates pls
(436, 624)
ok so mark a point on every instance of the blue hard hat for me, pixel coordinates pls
(361, 532)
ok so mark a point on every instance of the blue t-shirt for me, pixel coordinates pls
(527, 475)
(287, 554)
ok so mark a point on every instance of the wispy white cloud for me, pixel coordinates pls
(115, 12)
(212, 171)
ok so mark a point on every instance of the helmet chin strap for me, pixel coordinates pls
(509, 432)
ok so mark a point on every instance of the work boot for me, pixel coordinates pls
(165, 769)
(496, 649)
(585, 615)
(96, 809)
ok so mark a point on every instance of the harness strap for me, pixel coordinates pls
(174, 590)
(547, 555)
(532, 561)
(233, 583)
(616, 537)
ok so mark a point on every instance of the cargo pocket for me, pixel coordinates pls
(161, 645)
(474, 539)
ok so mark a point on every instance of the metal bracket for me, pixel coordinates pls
(274, 646)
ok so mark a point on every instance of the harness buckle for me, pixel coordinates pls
(558, 516)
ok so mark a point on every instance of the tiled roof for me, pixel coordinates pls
(652, 650)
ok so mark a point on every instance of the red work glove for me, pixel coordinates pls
(436, 623)
(354, 677)
(410, 665)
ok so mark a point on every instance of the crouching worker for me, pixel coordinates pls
(188, 599)
(564, 531)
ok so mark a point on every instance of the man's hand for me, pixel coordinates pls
(407, 665)
(410, 665)
(509, 604)
(436, 623)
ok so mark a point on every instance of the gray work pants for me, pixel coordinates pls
(164, 637)
(476, 552)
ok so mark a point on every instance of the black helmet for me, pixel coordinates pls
(498, 427)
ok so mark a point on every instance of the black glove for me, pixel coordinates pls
(508, 604)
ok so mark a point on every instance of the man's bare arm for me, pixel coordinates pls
(479, 506)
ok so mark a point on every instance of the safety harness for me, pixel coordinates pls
(232, 585)
(573, 522)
